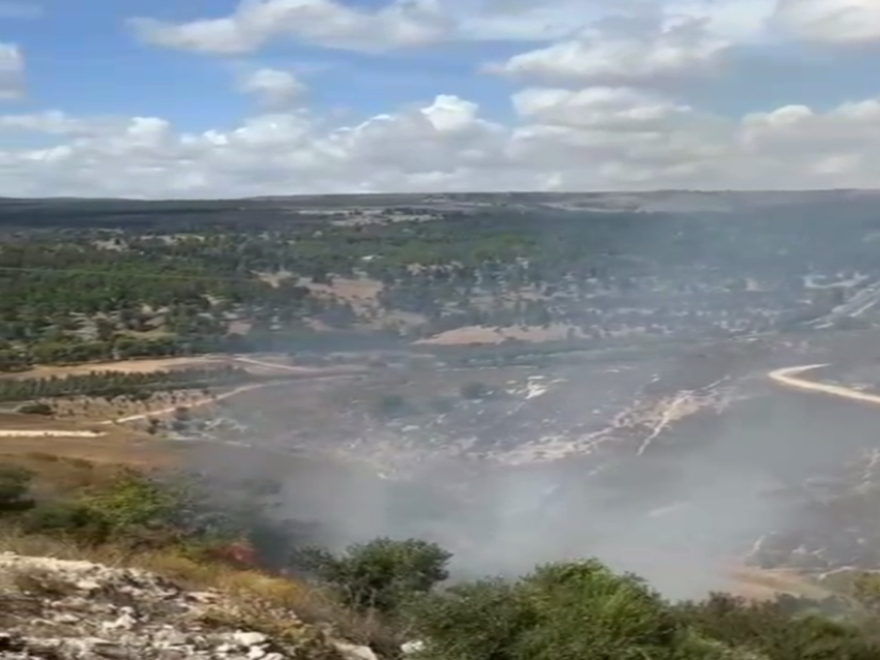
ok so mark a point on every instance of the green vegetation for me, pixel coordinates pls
(15, 484)
(93, 281)
(115, 383)
(380, 575)
(387, 592)
(104, 281)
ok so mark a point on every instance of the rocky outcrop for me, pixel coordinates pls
(52, 609)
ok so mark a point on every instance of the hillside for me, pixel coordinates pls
(107, 567)
(73, 608)
(417, 392)
(100, 280)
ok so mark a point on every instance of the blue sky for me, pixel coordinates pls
(82, 57)
(210, 97)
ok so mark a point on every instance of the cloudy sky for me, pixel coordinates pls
(201, 98)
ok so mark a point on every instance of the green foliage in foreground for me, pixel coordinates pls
(382, 574)
(564, 611)
(582, 611)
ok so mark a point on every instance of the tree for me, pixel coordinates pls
(380, 575)
(15, 484)
(565, 611)
(472, 621)
(787, 628)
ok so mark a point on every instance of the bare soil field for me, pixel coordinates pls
(361, 293)
(24, 435)
(124, 366)
(497, 335)
(767, 584)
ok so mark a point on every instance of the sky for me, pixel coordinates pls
(218, 98)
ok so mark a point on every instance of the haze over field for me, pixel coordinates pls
(440, 329)
(522, 377)
(278, 97)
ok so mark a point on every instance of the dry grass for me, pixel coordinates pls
(117, 447)
(277, 606)
(361, 293)
(496, 335)
(760, 584)
(124, 366)
(41, 583)
(58, 474)
(86, 408)
(284, 608)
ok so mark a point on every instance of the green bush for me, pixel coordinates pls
(36, 408)
(380, 575)
(133, 502)
(79, 522)
(15, 485)
(784, 629)
(480, 620)
(568, 611)
(585, 610)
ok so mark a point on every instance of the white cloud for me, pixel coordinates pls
(11, 72)
(830, 21)
(329, 23)
(600, 108)
(527, 20)
(605, 138)
(638, 48)
(272, 87)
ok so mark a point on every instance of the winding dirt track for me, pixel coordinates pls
(789, 377)
(759, 584)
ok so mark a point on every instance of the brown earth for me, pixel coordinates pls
(125, 366)
(766, 584)
(476, 334)
(108, 444)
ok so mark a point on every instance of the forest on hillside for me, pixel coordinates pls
(108, 280)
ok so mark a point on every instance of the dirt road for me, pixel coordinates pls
(295, 372)
(196, 404)
(790, 377)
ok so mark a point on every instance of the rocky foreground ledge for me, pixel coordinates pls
(54, 609)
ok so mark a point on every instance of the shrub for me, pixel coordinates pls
(79, 522)
(36, 408)
(133, 501)
(15, 484)
(784, 629)
(472, 621)
(567, 611)
(380, 575)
